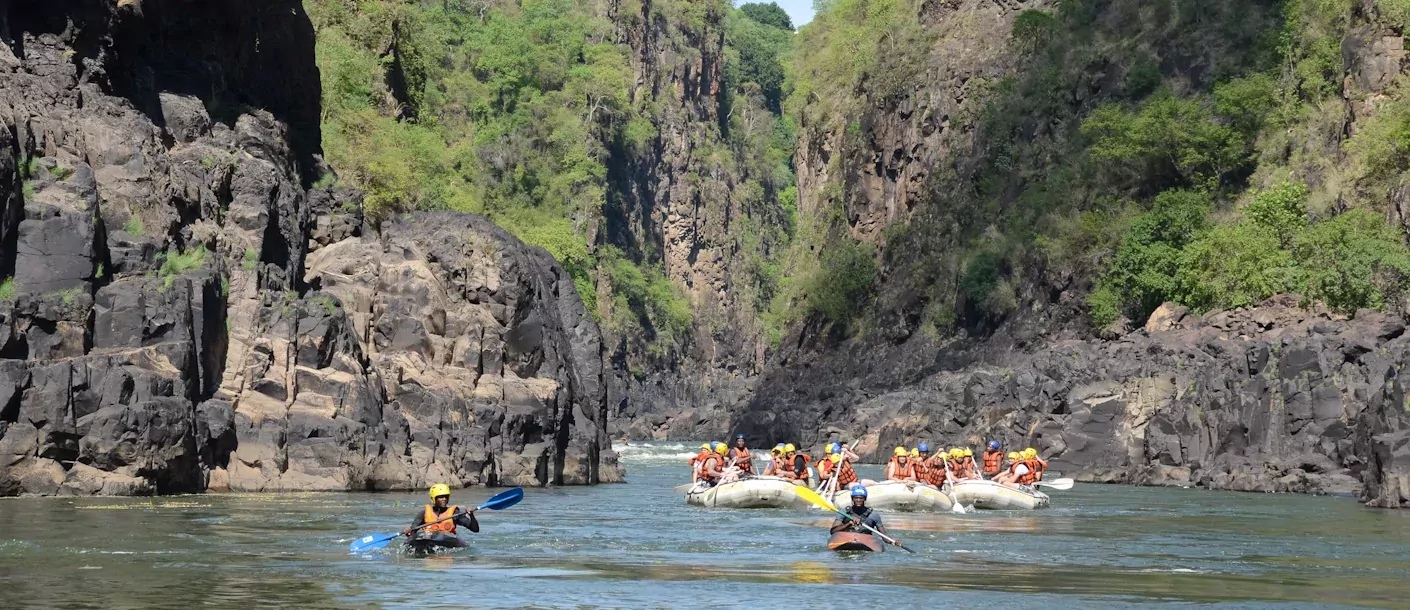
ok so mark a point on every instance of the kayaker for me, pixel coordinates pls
(993, 459)
(900, 468)
(795, 465)
(442, 532)
(859, 514)
(741, 456)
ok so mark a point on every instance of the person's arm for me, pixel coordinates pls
(418, 522)
(839, 525)
(467, 520)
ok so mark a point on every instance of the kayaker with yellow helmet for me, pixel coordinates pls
(441, 533)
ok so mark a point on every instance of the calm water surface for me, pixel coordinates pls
(638, 545)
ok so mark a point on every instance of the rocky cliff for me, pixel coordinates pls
(181, 312)
(1274, 398)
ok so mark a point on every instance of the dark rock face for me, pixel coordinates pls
(1270, 399)
(165, 333)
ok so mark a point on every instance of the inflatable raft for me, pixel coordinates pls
(994, 496)
(758, 492)
(895, 495)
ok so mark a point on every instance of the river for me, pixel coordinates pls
(638, 545)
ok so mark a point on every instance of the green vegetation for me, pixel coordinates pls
(7, 290)
(531, 113)
(133, 226)
(179, 263)
(27, 189)
(251, 259)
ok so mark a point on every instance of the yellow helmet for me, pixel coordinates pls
(1013, 455)
(968, 453)
(900, 452)
(915, 453)
(1032, 453)
(704, 445)
(721, 448)
(956, 452)
(789, 448)
(834, 457)
(439, 489)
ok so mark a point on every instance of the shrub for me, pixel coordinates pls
(841, 285)
(1234, 265)
(1280, 210)
(1143, 272)
(179, 263)
(7, 289)
(1167, 142)
(1033, 28)
(1352, 261)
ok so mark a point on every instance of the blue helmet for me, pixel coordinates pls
(923, 447)
(993, 445)
(739, 438)
(834, 447)
(859, 492)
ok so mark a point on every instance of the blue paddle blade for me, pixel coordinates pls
(371, 542)
(503, 499)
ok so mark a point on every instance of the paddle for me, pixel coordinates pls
(500, 501)
(1058, 484)
(818, 501)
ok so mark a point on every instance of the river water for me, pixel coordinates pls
(638, 545)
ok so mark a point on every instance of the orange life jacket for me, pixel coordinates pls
(741, 458)
(922, 471)
(787, 465)
(1041, 466)
(1025, 479)
(993, 462)
(447, 526)
(964, 468)
(896, 471)
(705, 470)
(935, 470)
(845, 474)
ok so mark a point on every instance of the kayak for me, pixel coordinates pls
(854, 541)
(996, 496)
(758, 492)
(435, 543)
(896, 495)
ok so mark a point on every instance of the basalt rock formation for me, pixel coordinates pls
(181, 312)
(1274, 398)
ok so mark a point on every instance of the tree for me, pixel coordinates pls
(767, 14)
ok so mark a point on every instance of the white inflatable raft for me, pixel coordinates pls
(995, 496)
(758, 492)
(895, 495)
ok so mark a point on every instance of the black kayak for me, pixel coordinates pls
(434, 543)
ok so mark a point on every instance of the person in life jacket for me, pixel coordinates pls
(697, 460)
(1018, 472)
(971, 470)
(442, 518)
(775, 465)
(993, 459)
(741, 456)
(859, 514)
(835, 465)
(1035, 463)
(900, 468)
(795, 465)
(712, 466)
(935, 469)
(918, 464)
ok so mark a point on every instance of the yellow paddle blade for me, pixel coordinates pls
(813, 497)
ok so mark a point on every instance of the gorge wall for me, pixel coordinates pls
(182, 312)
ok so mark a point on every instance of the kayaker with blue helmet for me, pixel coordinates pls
(442, 533)
(859, 513)
(993, 459)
